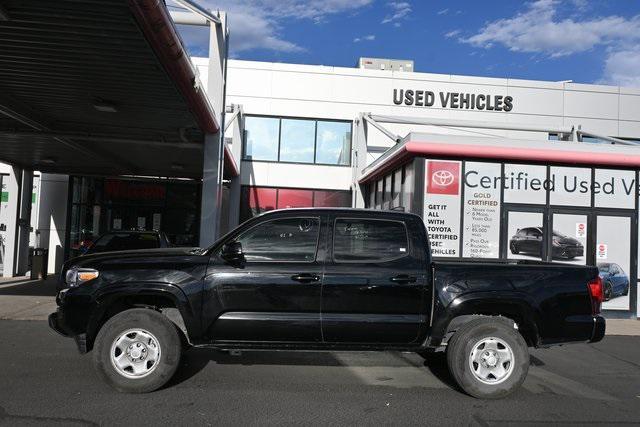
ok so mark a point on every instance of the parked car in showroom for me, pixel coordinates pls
(323, 279)
(615, 281)
(529, 240)
(119, 240)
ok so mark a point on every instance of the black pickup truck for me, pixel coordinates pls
(323, 279)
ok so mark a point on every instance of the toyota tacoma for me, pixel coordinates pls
(323, 279)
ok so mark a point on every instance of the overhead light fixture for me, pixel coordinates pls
(104, 106)
(4, 14)
(48, 161)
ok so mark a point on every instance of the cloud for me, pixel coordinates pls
(452, 34)
(623, 68)
(399, 11)
(257, 24)
(443, 11)
(367, 38)
(539, 30)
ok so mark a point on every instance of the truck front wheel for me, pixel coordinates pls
(137, 351)
(488, 358)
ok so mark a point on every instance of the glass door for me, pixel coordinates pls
(4, 198)
(613, 256)
(569, 237)
(524, 234)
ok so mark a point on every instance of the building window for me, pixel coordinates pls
(257, 200)
(333, 143)
(322, 142)
(261, 138)
(297, 140)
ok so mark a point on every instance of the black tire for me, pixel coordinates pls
(147, 321)
(608, 291)
(461, 348)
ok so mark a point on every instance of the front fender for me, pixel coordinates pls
(136, 293)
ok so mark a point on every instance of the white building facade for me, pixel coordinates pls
(499, 169)
(308, 141)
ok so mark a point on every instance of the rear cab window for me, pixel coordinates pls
(369, 240)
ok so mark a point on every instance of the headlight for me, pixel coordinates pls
(77, 276)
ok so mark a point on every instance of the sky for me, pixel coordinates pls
(595, 41)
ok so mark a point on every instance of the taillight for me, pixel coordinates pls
(596, 292)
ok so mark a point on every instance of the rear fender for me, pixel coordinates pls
(509, 305)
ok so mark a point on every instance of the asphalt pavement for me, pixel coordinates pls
(44, 381)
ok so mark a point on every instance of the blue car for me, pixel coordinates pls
(614, 279)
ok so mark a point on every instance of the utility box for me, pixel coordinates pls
(39, 260)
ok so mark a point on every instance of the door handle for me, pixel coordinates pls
(403, 278)
(305, 277)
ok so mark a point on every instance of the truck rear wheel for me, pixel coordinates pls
(488, 358)
(137, 351)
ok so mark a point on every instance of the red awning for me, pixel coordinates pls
(526, 151)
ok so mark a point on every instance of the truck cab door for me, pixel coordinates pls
(374, 282)
(271, 293)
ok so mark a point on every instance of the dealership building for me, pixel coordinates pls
(498, 168)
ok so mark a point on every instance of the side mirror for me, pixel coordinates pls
(232, 252)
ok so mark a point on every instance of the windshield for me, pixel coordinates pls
(604, 268)
(558, 234)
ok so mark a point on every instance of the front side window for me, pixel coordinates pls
(365, 240)
(261, 136)
(297, 140)
(283, 240)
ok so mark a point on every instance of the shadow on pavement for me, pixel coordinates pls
(45, 288)
(195, 360)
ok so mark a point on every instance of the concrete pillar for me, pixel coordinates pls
(211, 190)
(9, 214)
(235, 190)
(52, 214)
(24, 222)
(358, 159)
(213, 143)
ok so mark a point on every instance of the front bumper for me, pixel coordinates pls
(599, 328)
(72, 317)
(57, 323)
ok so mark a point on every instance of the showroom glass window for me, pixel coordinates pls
(297, 140)
(261, 138)
(365, 240)
(309, 141)
(257, 200)
(333, 143)
(287, 239)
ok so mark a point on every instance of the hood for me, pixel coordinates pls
(85, 260)
(568, 241)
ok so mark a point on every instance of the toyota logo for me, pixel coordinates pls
(442, 178)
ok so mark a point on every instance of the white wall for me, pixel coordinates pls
(52, 217)
(343, 93)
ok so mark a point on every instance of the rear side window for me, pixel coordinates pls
(287, 239)
(366, 240)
